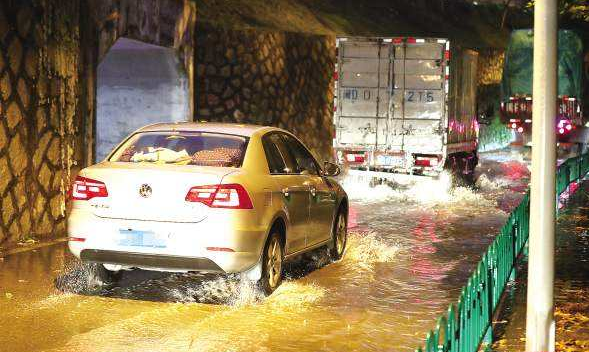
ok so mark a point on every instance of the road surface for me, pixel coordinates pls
(409, 253)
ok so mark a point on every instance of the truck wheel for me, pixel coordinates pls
(472, 161)
(272, 259)
(462, 166)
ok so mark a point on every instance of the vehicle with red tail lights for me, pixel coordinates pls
(516, 87)
(206, 197)
(405, 106)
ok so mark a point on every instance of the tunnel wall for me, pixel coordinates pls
(269, 78)
(40, 122)
(493, 134)
(164, 23)
(49, 54)
(138, 84)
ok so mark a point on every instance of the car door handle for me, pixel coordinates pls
(286, 192)
(310, 188)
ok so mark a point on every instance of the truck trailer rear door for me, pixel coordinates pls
(418, 96)
(364, 67)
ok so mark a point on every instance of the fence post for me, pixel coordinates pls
(469, 322)
(488, 338)
(512, 274)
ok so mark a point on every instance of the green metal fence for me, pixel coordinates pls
(468, 323)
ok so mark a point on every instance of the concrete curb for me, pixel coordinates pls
(30, 247)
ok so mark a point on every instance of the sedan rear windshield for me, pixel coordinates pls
(183, 148)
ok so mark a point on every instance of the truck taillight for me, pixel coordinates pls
(355, 158)
(447, 55)
(426, 161)
(515, 125)
(232, 196)
(86, 188)
(564, 126)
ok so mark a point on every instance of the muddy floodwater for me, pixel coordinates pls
(409, 253)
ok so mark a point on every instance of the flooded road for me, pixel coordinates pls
(409, 253)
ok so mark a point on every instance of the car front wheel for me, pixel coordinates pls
(272, 264)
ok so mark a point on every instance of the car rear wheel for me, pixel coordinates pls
(272, 259)
(340, 236)
(98, 275)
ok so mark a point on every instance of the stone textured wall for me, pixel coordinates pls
(268, 78)
(39, 147)
(490, 66)
(490, 71)
(49, 53)
(137, 84)
(493, 134)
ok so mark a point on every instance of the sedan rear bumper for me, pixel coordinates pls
(214, 245)
(145, 260)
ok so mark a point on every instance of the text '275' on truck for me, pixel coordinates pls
(516, 87)
(405, 106)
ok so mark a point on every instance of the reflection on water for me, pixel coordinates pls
(409, 252)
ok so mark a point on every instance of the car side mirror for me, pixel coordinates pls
(331, 169)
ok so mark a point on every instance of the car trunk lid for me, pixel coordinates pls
(142, 191)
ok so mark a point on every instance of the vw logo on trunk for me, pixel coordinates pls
(145, 190)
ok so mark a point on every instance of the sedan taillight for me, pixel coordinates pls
(232, 196)
(86, 188)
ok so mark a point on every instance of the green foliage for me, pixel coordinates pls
(519, 58)
(571, 9)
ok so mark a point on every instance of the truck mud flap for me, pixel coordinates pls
(394, 179)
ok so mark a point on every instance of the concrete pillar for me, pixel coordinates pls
(138, 84)
(540, 327)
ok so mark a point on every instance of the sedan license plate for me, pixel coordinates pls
(135, 238)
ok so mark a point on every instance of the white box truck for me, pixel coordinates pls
(405, 106)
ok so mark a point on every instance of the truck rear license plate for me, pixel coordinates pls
(419, 96)
(390, 160)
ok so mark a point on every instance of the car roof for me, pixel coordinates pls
(214, 127)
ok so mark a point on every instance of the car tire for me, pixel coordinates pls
(339, 235)
(98, 275)
(272, 260)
